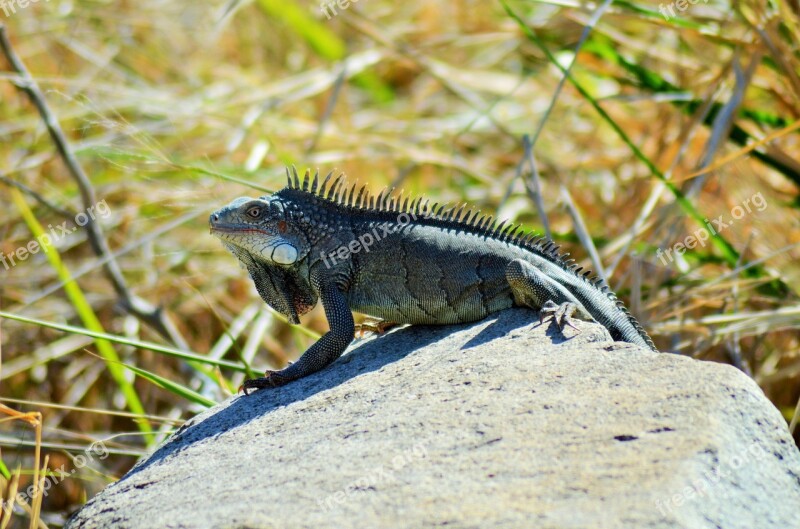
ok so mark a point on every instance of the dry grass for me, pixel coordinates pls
(174, 108)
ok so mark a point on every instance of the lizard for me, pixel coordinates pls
(404, 261)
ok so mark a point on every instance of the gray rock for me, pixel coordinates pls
(503, 423)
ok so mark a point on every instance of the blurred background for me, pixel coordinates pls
(149, 115)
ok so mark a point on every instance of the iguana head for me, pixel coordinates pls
(258, 226)
(260, 234)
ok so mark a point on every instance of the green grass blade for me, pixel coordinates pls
(222, 176)
(324, 42)
(656, 15)
(122, 340)
(172, 387)
(4, 469)
(85, 312)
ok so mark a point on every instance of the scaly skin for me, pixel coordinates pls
(403, 263)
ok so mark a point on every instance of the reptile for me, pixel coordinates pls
(404, 261)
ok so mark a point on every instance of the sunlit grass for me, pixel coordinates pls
(84, 311)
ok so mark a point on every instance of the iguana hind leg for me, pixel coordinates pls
(533, 288)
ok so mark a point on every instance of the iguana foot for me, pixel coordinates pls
(271, 379)
(377, 327)
(562, 314)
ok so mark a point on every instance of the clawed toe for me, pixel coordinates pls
(561, 314)
(271, 379)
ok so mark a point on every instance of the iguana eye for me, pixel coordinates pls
(254, 212)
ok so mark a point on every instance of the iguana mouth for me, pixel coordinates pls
(235, 228)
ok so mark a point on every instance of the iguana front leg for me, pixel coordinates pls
(324, 351)
(535, 289)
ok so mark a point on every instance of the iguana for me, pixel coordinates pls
(401, 260)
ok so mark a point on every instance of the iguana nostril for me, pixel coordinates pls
(214, 218)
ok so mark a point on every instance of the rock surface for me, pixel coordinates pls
(504, 423)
